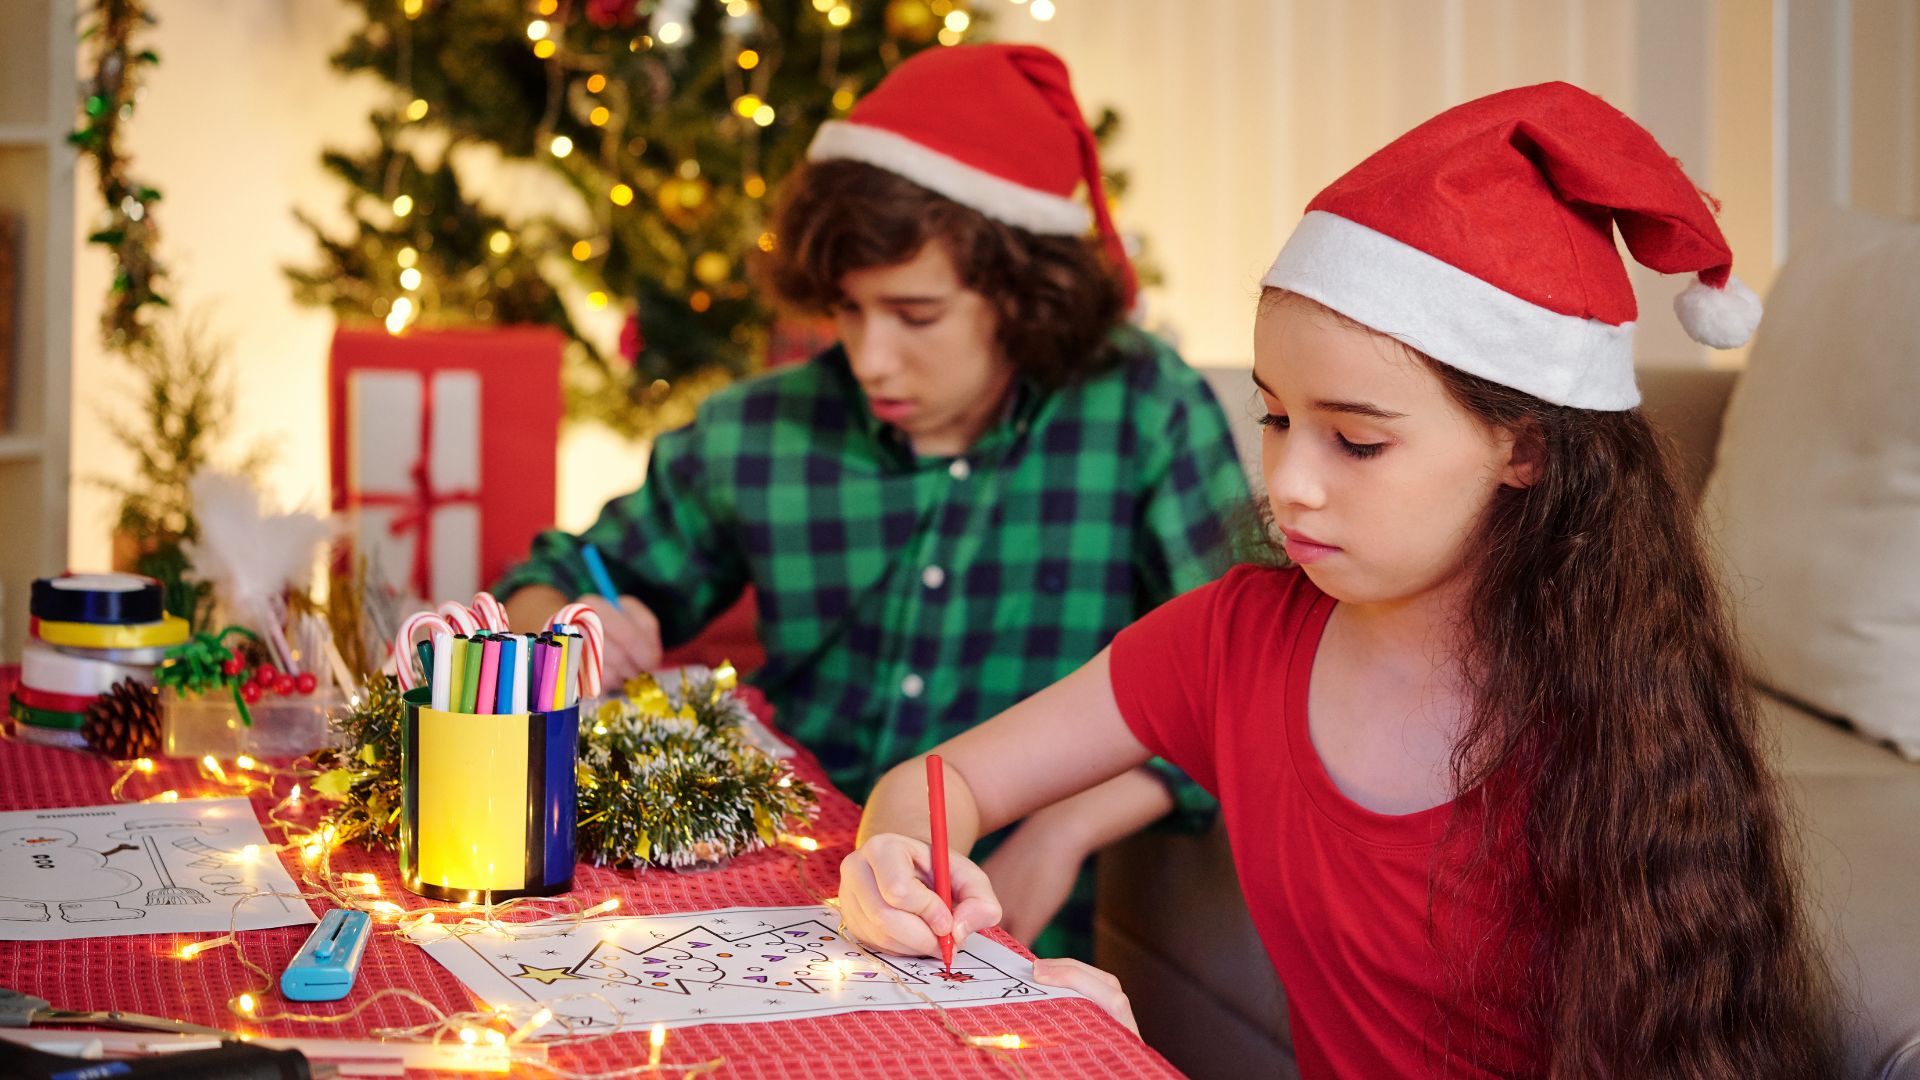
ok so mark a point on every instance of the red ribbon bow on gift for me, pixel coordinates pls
(419, 504)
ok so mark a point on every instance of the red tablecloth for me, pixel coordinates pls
(140, 974)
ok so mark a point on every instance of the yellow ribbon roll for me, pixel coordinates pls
(170, 630)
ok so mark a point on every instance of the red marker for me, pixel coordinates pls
(942, 875)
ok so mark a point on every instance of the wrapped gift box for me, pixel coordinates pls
(443, 450)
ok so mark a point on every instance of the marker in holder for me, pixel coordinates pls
(325, 967)
(487, 802)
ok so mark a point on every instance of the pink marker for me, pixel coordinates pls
(489, 679)
(550, 683)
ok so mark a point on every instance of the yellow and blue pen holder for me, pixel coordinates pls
(488, 802)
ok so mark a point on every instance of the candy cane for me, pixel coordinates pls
(588, 621)
(491, 613)
(460, 618)
(403, 645)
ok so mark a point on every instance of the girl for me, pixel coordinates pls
(1485, 751)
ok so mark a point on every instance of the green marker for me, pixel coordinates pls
(470, 684)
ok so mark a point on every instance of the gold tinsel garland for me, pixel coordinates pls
(664, 778)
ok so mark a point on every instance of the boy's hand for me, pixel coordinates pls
(889, 904)
(632, 638)
(1098, 986)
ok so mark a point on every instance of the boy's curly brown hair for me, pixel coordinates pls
(1057, 297)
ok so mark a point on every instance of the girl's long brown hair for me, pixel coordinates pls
(1657, 909)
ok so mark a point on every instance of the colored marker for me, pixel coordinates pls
(457, 674)
(470, 687)
(576, 653)
(488, 699)
(426, 660)
(503, 700)
(442, 669)
(522, 660)
(942, 871)
(550, 687)
(597, 569)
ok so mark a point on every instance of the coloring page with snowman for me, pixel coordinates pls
(730, 966)
(139, 868)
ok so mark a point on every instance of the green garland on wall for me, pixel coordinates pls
(109, 96)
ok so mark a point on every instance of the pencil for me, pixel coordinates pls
(942, 872)
(597, 569)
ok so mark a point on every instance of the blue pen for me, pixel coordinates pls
(597, 568)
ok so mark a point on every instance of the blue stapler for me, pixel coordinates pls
(324, 968)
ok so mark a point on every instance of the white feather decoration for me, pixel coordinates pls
(252, 556)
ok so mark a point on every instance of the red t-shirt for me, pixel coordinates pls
(1215, 681)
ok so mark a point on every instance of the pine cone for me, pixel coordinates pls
(124, 722)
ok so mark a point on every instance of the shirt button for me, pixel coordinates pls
(959, 470)
(933, 577)
(913, 686)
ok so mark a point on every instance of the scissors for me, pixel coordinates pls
(25, 1010)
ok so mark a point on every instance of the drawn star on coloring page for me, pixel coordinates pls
(546, 976)
(549, 952)
(699, 1012)
(868, 997)
(719, 922)
(771, 1001)
(504, 956)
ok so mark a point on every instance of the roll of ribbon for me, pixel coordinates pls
(146, 657)
(171, 630)
(56, 672)
(115, 599)
(43, 736)
(48, 701)
(46, 718)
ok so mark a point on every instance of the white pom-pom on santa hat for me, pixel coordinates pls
(1724, 318)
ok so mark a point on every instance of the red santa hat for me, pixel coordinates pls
(993, 127)
(1484, 238)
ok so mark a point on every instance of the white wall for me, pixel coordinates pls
(1239, 111)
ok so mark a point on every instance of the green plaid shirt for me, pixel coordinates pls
(902, 599)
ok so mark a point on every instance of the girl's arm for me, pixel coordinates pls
(1034, 869)
(1057, 743)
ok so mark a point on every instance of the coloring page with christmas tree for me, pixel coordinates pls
(139, 868)
(731, 966)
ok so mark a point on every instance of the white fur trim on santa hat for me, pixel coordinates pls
(998, 198)
(1455, 317)
(1723, 318)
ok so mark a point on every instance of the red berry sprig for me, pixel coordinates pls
(267, 678)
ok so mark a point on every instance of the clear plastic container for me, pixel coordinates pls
(282, 726)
